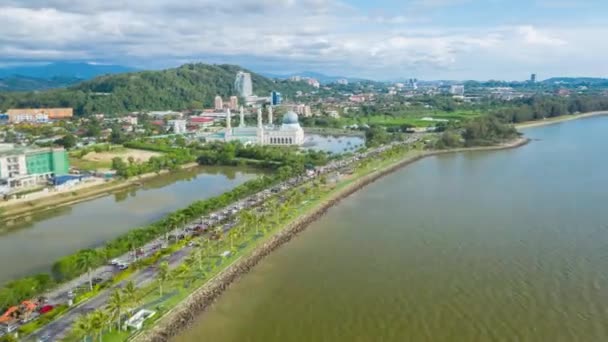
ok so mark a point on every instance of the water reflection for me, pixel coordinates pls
(67, 229)
(333, 143)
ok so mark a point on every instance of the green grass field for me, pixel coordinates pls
(411, 118)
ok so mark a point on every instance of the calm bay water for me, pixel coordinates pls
(47, 236)
(485, 246)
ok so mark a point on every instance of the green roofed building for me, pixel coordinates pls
(23, 167)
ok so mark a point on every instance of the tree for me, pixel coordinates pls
(130, 293)
(162, 276)
(98, 322)
(83, 326)
(115, 306)
(86, 260)
(68, 141)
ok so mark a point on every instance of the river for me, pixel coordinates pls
(47, 236)
(480, 246)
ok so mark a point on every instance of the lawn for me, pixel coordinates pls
(103, 160)
(411, 118)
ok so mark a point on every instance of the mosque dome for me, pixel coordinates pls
(290, 118)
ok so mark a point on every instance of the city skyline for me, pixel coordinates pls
(426, 39)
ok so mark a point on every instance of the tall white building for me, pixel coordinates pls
(179, 126)
(243, 85)
(219, 103)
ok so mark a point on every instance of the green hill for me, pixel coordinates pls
(185, 87)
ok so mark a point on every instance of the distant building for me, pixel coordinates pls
(219, 103)
(201, 121)
(343, 81)
(243, 85)
(131, 120)
(413, 82)
(533, 78)
(162, 114)
(22, 167)
(314, 83)
(234, 103)
(179, 126)
(39, 114)
(275, 98)
(295, 78)
(457, 90)
(304, 110)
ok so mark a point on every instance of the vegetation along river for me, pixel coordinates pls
(47, 236)
(486, 246)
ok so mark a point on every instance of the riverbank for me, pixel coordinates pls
(21, 208)
(563, 118)
(202, 298)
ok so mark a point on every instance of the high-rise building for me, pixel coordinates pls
(243, 85)
(457, 90)
(275, 98)
(219, 103)
(343, 81)
(234, 103)
(533, 78)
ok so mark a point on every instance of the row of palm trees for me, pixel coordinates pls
(95, 323)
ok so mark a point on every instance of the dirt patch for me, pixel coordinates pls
(139, 156)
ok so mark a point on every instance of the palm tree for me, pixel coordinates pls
(129, 293)
(98, 322)
(181, 271)
(173, 223)
(83, 326)
(85, 261)
(115, 306)
(196, 257)
(163, 275)
(132, 246)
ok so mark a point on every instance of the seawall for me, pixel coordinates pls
(187, 312)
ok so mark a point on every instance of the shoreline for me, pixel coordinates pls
(14, 211)
(200, 300)
(558, 119)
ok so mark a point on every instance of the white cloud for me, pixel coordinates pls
(288, 34)
(535, 37)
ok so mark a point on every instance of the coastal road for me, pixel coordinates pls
(59, 328)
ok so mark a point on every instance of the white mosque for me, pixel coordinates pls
(288, 133)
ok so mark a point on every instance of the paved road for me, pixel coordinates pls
(59, 328)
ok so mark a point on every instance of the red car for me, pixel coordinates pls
(45, 309)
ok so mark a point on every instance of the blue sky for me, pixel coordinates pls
(381, 39)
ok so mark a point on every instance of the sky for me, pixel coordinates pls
(375, 39)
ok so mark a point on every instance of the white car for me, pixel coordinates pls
(115, 262)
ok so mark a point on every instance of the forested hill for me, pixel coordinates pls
(185, 87)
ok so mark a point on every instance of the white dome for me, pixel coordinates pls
(290, 118)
